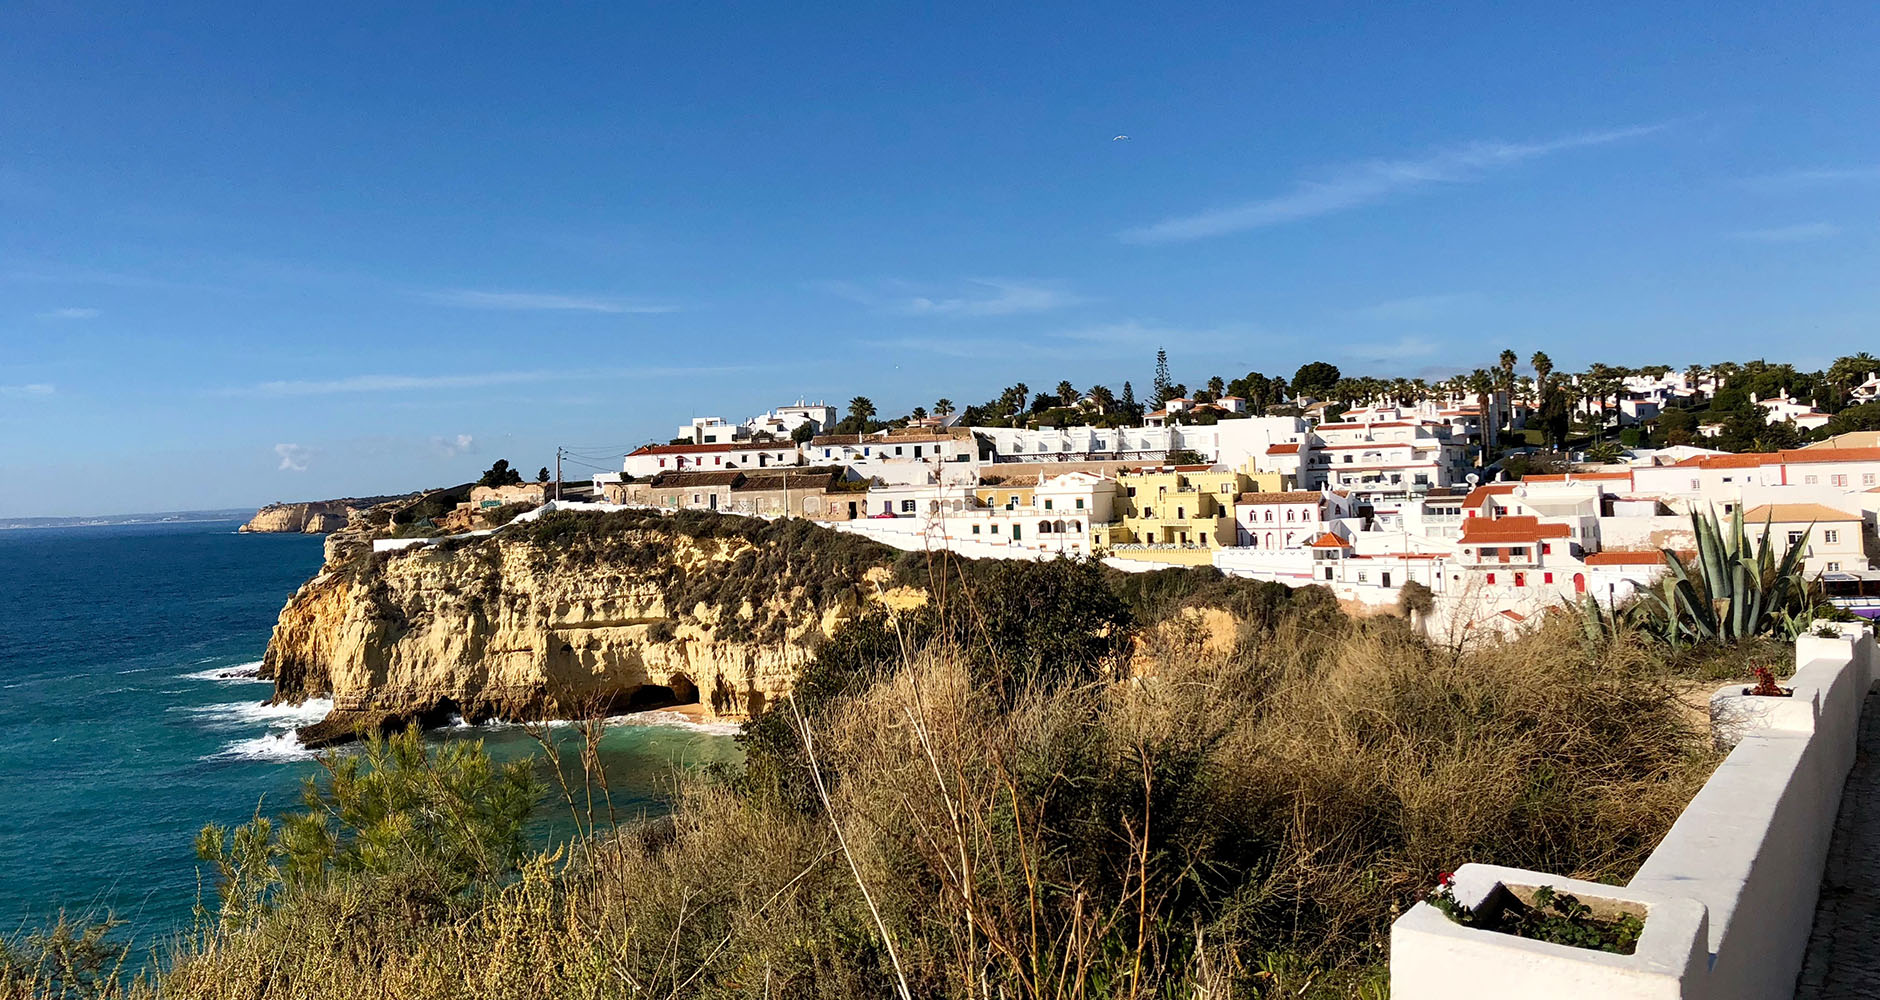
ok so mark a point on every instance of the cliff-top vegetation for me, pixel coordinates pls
(1049, 781)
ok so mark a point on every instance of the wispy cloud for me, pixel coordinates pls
(1125, 339)
(1415, 308)
(70, 313)
(476, 380)
(543, 302)
(31, 390)
(1367, 183)
(1811, 176)
(971, 297)
(451, 447)
(294, 458)
(1801, 232)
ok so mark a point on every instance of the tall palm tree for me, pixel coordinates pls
(1066, 395)
(1543, 395)
(943, 407)
(1484, 387)
(862, 410)
(1101, 395)
(1505, 380)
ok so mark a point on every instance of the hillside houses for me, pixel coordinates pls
(1386, 494)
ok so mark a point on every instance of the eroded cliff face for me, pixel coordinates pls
(522, 625)
(307, 518)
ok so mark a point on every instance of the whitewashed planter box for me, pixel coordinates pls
(1729, 894)
(1432, 955)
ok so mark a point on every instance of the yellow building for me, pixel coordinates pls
(1177, 514)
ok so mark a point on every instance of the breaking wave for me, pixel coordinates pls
(241, 673)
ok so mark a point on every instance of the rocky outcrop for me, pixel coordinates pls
(314, 517)
(568, 616)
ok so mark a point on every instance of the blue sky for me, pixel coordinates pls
(251, 253)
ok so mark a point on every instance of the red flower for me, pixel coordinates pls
(1446, 878)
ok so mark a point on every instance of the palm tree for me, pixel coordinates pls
(1101, 395)
(1543, 392)
(862, 410)
(1483, 386)
(943, 407)
(1066, 395)
(1217, 387)
(1505, 382)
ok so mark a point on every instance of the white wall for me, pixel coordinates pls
(1729, 895)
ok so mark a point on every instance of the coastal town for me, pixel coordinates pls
(1480, 501)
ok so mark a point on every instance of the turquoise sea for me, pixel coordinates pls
(126, 721)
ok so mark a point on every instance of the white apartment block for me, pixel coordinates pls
(653, 459)
(1229, 442)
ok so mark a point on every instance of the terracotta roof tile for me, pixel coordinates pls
(1522, 528)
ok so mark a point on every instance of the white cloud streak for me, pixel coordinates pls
(1802, 232)
(977, 297)
(543, 302)
(31, 390)
(70, 313)
(1368, 183)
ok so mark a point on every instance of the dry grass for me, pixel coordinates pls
(1239, 824)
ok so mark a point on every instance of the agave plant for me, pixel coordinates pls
(1740, 588)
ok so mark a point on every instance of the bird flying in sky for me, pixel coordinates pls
(1119, 138)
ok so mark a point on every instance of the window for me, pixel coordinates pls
(1227, 487)
(1831, 536)
(907, 506)
(1181, 513)
(1011, 501)
(1695, 484)
(1795, 538)
(1132, 491)
(1838, 480)
(1811, 480)
(1491, 579)
(1519, 550)
(1362, 578)
(1289, 515)
(1866, 479)
(1834, 567)
(1547, 578)
(995, 529)
(1520, 579)
(1547, 548)
(825, 453)
(1148, 512)
(1269, 516)
(1080, 503)
(1490, 550)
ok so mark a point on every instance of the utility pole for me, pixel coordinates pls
(558, 472)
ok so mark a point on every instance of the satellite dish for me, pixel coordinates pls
(1472, 479)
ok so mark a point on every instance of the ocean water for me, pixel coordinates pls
(129, 717)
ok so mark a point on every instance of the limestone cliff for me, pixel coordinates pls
(314, 517)
(573, 614)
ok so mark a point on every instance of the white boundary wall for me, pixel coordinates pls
(1729, 895)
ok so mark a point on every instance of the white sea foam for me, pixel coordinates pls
(656, 717)
(273, 746)
(677, 720)
(241, 673)
(240, 714)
